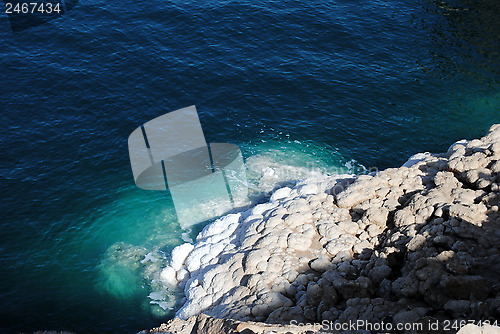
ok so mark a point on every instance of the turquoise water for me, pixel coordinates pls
(318, 85)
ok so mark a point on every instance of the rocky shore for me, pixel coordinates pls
(405, 245)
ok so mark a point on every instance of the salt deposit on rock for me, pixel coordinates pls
(403, 245)
(208, 325)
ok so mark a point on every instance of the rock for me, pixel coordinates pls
(169, 276)
(391, 244)
(280, 194)
(361, 287)
(470, 213)
(361, 190)
(179, 255)
(377, 216)
(308, 189)
(299, 242)
(204, 324)
(406, 286)
(320, 264)
(314, 293)
(416, 243)
(348, 227)
(345, 242)
(473, 329)
(285, 315)
(495, 166)
(404, 217)
(257, 259)
(466, 287)
(379, 273)
(407, 317)
(458, 308)
(269, 302)
(464, 163)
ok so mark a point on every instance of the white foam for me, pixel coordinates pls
(149, 257)
(266, 173)
(156, 295)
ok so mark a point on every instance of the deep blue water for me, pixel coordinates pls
(321, 82)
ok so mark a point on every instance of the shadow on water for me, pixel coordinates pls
(467, 35)
(25, 15)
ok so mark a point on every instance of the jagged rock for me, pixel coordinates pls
(203, 324)
(473, 329)
(466, 287)
(394, 244)
(458, 308)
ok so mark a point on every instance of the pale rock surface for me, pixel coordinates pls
(203, 324)
(473, 329)
(404, 244)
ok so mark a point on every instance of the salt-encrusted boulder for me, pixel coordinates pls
(474, 329)
(204, 324)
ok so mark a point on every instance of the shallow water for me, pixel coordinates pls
(321, 85)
